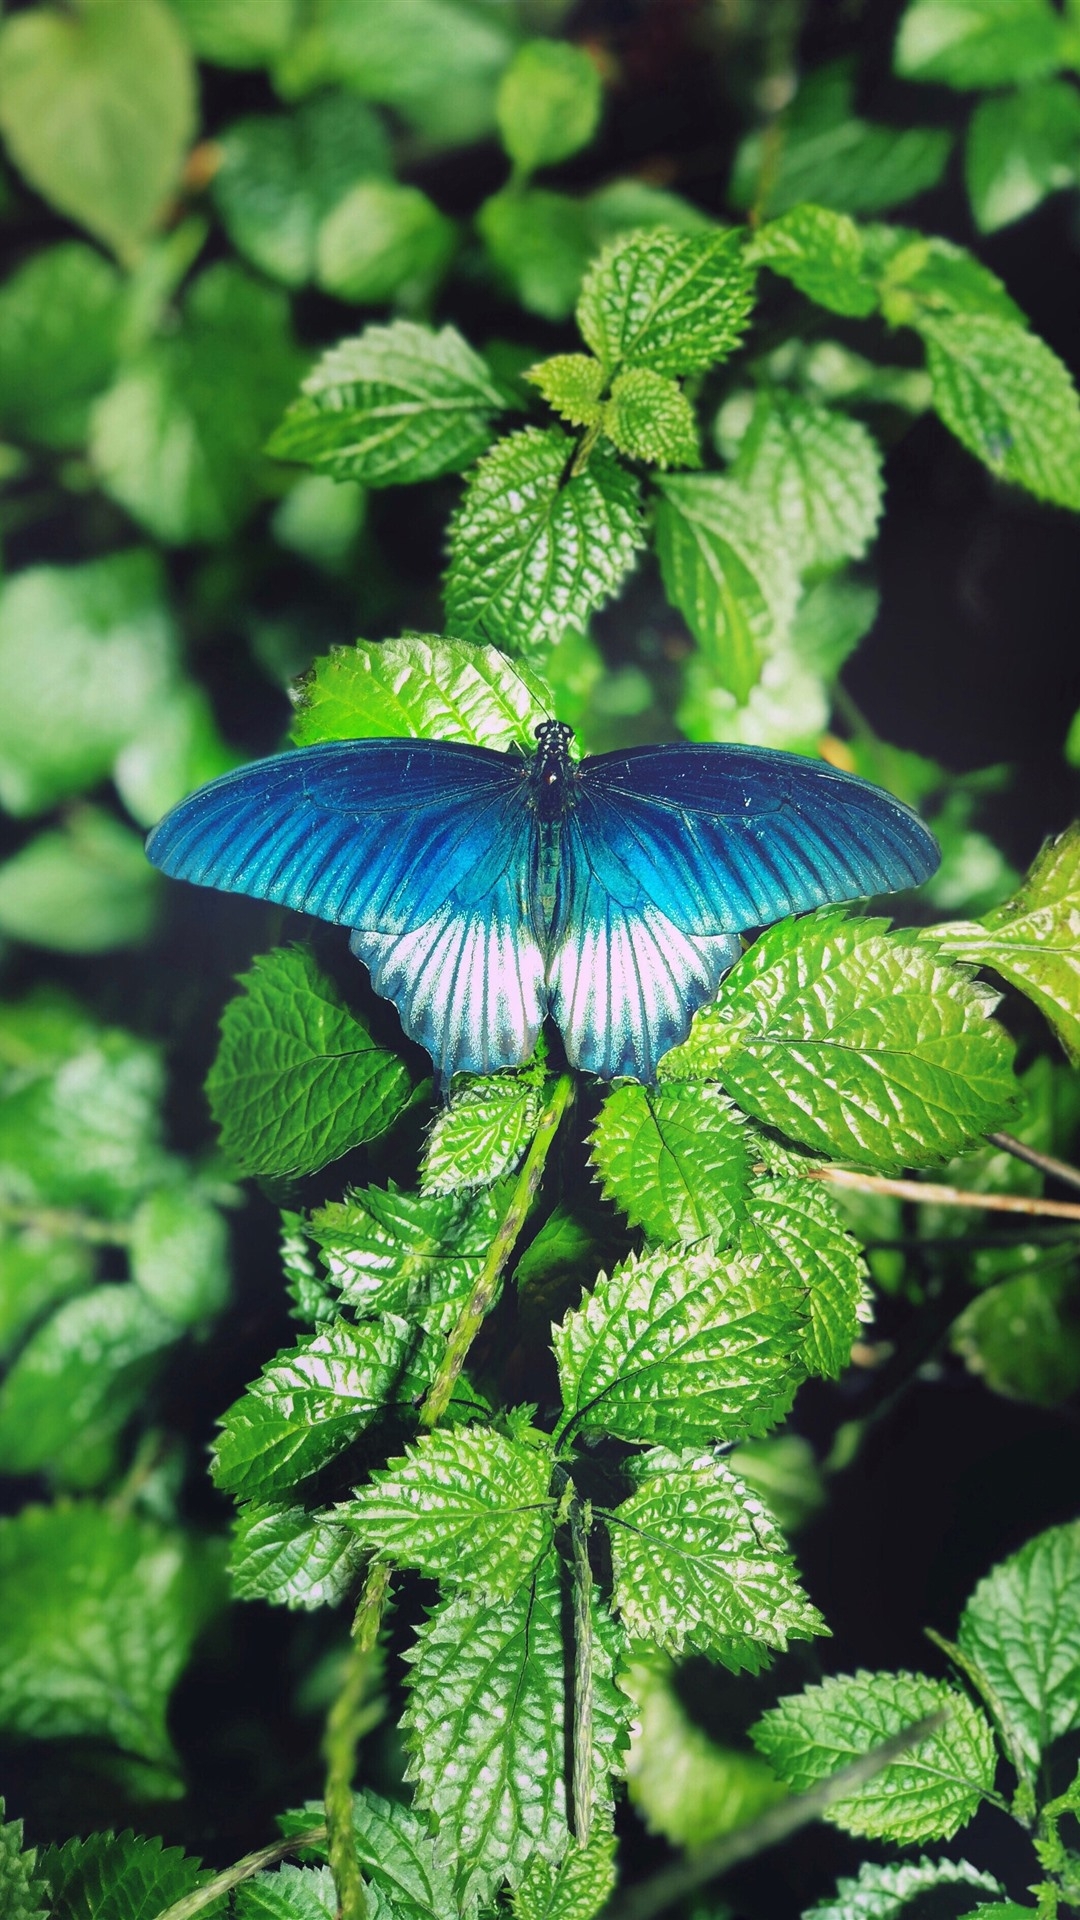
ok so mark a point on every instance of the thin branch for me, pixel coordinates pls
(241, 1870)
(344, 1725)
(684, 1877)
(1046, 1163)
(931, 1195)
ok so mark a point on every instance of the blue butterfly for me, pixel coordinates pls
(486, 890)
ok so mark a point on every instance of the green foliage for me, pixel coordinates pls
(548, 104)
(384, 241)
(882, 1893)
(979, 43)
(675, 1159)
(1009, 400)
(1020, 147)
(237, 33)
(667, 301)
(814, 478)
(481, 1134)
(83, 888)
(292, 1558)
(120, 1877)
(821, 252)
(61, 316)
(723, 569)
(417, 1254)
(684, 1784)
(21, 1892)
(792, 1222)
(420, 686)
(1019, 1642)
(576, 1889)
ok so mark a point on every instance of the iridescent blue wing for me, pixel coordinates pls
(421, 846)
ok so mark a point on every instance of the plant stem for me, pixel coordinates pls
(343, 1728)
(580, 1523)
(230, 1877)
(931, 1195)
(478, 1305)
(1046, 1163)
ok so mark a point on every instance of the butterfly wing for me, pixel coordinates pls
(421, 846)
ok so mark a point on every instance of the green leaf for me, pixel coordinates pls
(120, 1877)
(684, 1784)
(548, 103)
(927, 1794)
(669, 301)
(77, 1383)
(571, 383)
(81, 888)
(699, 1563)
(37, 1272)
(1021, 1336)
(814, 475)
(533, 551)
(674, 1159)
(87, 653)
(60, 320)
(421, 686)
(280, 177)
(1020, 147)
(22, 1893)
(298, 1079)
(481, 1134)
(857, 1042)
(177, 750)
(1019, 1636)
(784, 1472)
(830, 620)
(540, 244)
(293, 1558)
(384, 241)
(100, 1614)
(179, 1251)
(649, 417)
(309, 1403)
(922, 277)
(680, 1347)
(825, 370)
(391, 406)
(1008, 399)
(409, 1253)
(237, 33)
(97, 107)
(470, 1506)
(289, 1893)
(821, 252)
(978, 43)
(883, 1893)
(735, 586)
(577, 1888)
(1033, 940)
(397, 1854)
(792, 1222)
(177, 441)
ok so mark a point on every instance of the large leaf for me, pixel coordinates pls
(676, 1163)
(423, 686)
(1009, 400)
(121, 1876)
(298, 1079)
(813, 477)
(793, 1222)
(979, 43)
(668, 301)
(409, 1253)
(728, 572)
(293, 1558)
(821, 252)
(1019, 1636)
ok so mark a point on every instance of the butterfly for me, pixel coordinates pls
(486, 890)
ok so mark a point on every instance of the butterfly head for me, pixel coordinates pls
(551, 768)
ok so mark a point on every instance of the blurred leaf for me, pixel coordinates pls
(978, 43)
(1020, 147)
(884, 1893)
(922, 277)
(424, 686)
(830, 620)
(321, 520)
(97, 107)
(533, 550)
(577, 1888)
(788, 707)
(100, 1614)
(540, 243)
(814, 475)
(674, 1159)
(384, 241)
(481, 1134)
(627, 205)
(649, 417)
(298, 1080)
(390, 406)
(684, 1784)
(293, 1558)
(180, 1255)
(793, 1224)
(177, 750)
(727, 573)
(84, 888)
(1021, 1336)
(548, 103)
(280, 177)
(1020, 1631)
(669, 301)
(821, 252)
(60, 322)
(87, 654)
(238, 33)
(783, 1472)
(1008, 399)
(825, 370)
(178, 439)
(37, 1271)
(414, 1254)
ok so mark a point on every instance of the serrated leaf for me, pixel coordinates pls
(396, 1851)
(1033, 940)
(571, 383)
(548, 103)
(669, 301)
(310, 1402)
(534, 550)
(698, 1562)
(883, 1892)
(97, 107)
(676, 1163)
(1020, 147)
(408, 1253)
(684, 1784)
(1020, 1631)
(298, 1080)
(577, 1888)
(1008, 399)
(481, 1134)
(927, 1794)
(978, 43)
(1020, 1336)
(82, 887)
(422, 686)
(121, 1876)
(384, 241)
(292, 1893)
(815, 475)
(60, 321)
(680, 1347)
(292, 1557)
(821, 252)
(794, 1223)
(735, 587)
(649, 417)
(857, 1042)
(470, 1506)
(22, 1893)
(100, 1612)
(921, 276)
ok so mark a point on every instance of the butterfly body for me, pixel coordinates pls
(486, 890)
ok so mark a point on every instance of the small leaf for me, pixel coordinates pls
(571, 383)
(676, 1163)
(97, 107)
(469, 1506)
(384, 241)
(684, 1784)
(481, 1134)
(289, 1893)
(883, 1893)
(82, 888)
(22, 1892)
(830, 620)
(533, 551)
(414, 1254)
(121, 1876)
(309, 1403)
(649, 417)
(793, 1222)
(699, 1563)
(815, 475)
(293, 1558)
(668, 301)
(1020, 1631)
(678, 1347)
(927, 1794)
(424, 687)
(734, 585)
(298, 1080)
(821, 252)
(179, 1251)
(1020, 147)
(39, 1271)
(1033, 940)
(548, 103)
(1008, 399)
(60, 321)
(391, 406)
(577, 1888)
(857, 1042)
(396, 1851)
(978, 43)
